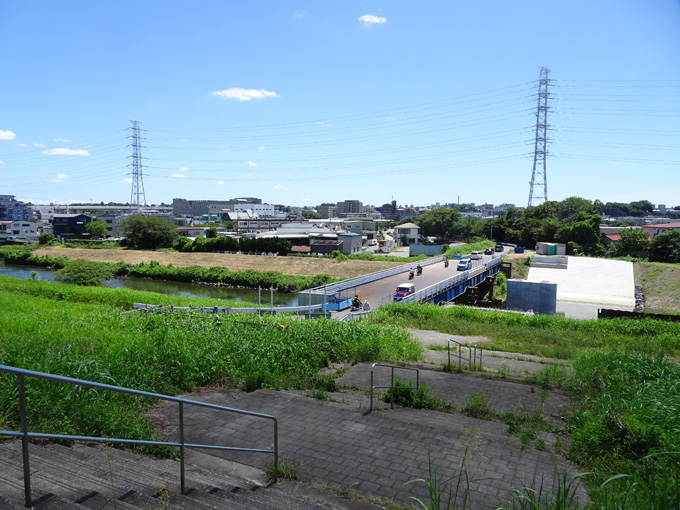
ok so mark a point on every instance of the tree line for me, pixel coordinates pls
(574, 222)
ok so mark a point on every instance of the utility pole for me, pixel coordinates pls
(539, 178)
(137, 196)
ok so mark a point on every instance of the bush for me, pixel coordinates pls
(45, 239)
(83, 272)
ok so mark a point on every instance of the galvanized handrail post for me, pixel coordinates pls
(24, 439)
(460, 357)
(181, 448)
(448, 351)
(392, 387)
(371, 408)
(25, 435)
(276, 450)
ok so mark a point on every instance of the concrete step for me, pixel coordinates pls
(86, 477)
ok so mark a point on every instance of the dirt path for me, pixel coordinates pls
(299, 266)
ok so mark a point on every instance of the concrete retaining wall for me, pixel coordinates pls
(430, 250)
(541, 297)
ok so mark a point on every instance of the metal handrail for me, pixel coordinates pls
(392, 382)
(378, 275)
(25, 435)
(437, 288)
(460, 355)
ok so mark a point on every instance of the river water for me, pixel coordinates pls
(166, 287)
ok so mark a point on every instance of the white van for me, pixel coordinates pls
(476, 255)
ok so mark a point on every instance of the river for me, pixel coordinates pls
(166, 287)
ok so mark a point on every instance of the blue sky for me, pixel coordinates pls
(307, 102)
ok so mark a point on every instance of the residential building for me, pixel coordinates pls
(660, 228)
(112, 223)
(70, 226)
(351, 243)
(197, 208)
(11, 209)
(27, 229)
(326, 210)
(409, 231)
(366, 228)
(348, 208)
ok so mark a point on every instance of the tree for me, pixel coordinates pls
(634, 242)
(212, 232)
(311, 215)
(440, 223)
(46, 238)
(582, 234)
(149, 232)
(665, 247)
(97, 229)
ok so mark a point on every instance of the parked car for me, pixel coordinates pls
(404, 290)
(488, 251)
(464, 265)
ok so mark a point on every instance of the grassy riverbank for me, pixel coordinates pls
(68, 330)
(542, 335)
(625, 404)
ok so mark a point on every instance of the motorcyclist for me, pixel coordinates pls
(420, 269)
(410, 274)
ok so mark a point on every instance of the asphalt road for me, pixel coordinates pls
(381, 291)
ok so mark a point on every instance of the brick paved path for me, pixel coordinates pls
(340, 444)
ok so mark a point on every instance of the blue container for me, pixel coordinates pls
(519, 249)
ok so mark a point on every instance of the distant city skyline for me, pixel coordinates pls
(315, 102)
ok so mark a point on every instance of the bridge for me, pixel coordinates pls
(437, 283)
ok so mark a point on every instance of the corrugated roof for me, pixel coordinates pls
(664, 225)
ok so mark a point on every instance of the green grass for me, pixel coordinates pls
(405, 395)
(72, 332)
(542, 335)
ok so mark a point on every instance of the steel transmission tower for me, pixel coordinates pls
(538, 187)
(137, 197)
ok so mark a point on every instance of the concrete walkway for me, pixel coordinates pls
(340, 444)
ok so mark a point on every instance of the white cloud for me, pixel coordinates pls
(59, 178)
(260, 148)
(7, 135)
(127, 180)
(225, 151)
(36, 144)
(221, 183)
(306, 199)
(280, 187)
(2, 162)
(319, 123)
(182, 169)
(178, 176)
(20, 145)
(65, 152)
(370, 19)
(251, 163)
(65, 140)
(300, 14)
(244, 94)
